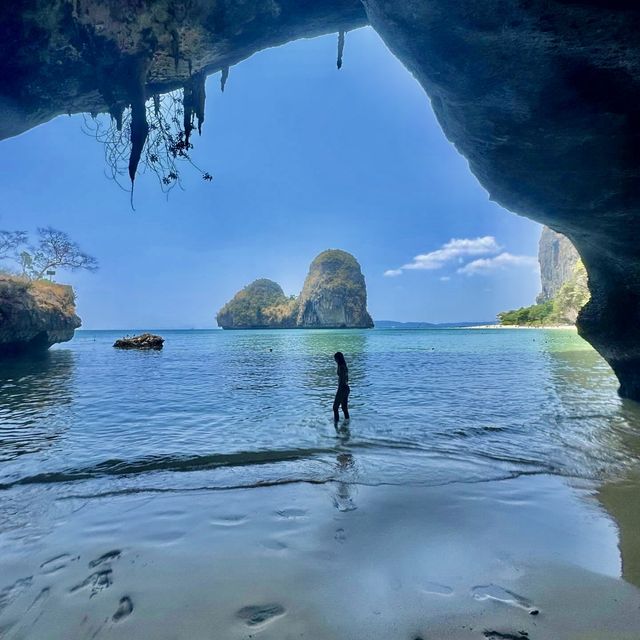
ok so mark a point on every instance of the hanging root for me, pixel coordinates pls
(340, 48)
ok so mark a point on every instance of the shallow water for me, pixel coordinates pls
(484, 475)
(223, 409)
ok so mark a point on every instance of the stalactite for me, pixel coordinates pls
(193, 104)
(223, 78)
(340, 48)
(139, 124)
(199, 96)
(116, 112)
(188, 109)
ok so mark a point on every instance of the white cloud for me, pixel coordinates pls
(455, 249)
(392, 273)
(504, 260)
(445, 278)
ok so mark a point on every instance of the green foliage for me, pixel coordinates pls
(572, 296)
(537, 314)
(562, 309)
(260, 304)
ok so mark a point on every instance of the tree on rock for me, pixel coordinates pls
(54, 250)
(10, 243)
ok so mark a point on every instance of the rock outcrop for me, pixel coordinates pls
(334, 293)
(143, 342)
(542, 97)
(558, 259)
(565, 289)
(334, 296)
(260, 305)
(35, 315)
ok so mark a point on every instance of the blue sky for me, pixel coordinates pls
(304, 158)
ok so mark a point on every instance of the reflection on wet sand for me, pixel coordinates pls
(345, 482)
(573, 370)
(621, 497)
(622, 501)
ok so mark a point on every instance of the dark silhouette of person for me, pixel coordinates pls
(342, 394)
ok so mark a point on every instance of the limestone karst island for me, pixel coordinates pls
(334, 296)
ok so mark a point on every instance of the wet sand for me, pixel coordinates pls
(535, 557)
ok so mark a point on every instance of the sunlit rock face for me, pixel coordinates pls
(541, 96)
(334, 294)
(557, 258)
(35, 315)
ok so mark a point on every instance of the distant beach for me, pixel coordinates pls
(562, 327)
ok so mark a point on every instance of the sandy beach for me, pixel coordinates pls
(560, 327)
(530, 558)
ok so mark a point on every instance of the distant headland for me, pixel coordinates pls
(334, 296)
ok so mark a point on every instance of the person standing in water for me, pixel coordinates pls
(342, 394)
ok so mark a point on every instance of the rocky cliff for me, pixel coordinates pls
(35, 315)
(334, 293)
(557, 258)
(565, 287)
(334, 296)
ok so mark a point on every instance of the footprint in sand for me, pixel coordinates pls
(124, 609)
(259, 615)
(435, 588)
(41, 597)
(10, 593)
(105, 557)
(56, 563)
(291, 514)
(500, 594)
(229, 521)
(97, 581)
(274, 545)
(101, 579)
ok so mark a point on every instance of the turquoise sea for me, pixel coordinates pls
(240, 408)
(486, 486)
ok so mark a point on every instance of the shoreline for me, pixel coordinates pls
(554, 327)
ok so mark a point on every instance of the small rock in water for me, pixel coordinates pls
(143, 341)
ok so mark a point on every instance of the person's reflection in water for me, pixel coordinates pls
(343, 499)
(342, 394)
